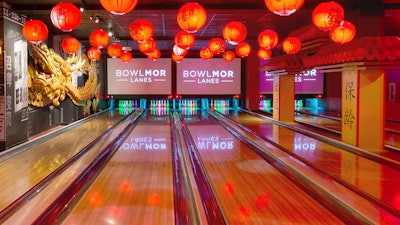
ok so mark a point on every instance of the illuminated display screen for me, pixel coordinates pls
(139, 76)
(208, 77)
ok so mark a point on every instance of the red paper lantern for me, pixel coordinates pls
(35, 31)
(94, 53)
(234, 32)
(243, 49)
(99, 38)
(154, 55)
(283, 7)
(205, 53)
(216, 45)
(291, 45)
(66, 16)
(327, 14)
(179, 51)
(70, 45)
(147, 46)
(141, 30)
(177, 58)
(125, 56)
(343, 32)
(228, 56)
(191, 17)
(264, 53)
(114, 50)
(119, 7)
(184, 39)
(268, 39)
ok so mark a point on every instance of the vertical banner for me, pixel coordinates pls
(350, 82)
(275, 98)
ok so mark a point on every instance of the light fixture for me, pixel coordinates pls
(96, 19)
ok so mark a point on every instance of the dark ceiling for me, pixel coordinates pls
(162, 13)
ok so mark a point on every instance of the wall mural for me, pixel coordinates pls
(51, 79)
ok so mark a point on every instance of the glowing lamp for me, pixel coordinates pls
(154, 55)
(267, 39)
(191, 17)
(343, 32)
(243, 49)
(35, 31)
(125, 56)
(177, 58)
(99, 38)
(147, 46)
(234, 32)
(205, 53)
(216, 45)
(119, 7)
(228, 56)
(141, 30)
(327, 14)
(264, 53)
(179, 51)
(94, 53)
(283, 7)
(114, 50)
(66, 16)
(184, 39)
(70, 45)
(291, 45)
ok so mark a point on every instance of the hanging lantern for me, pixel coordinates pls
(243, 49)
(179, 51)
(66, 16)
(126, 56)
(216, 45)
(147, 46)
(119, 7)
(114, 50)
(234, 32)
(268, 39)
(94, 53)
(327, 14)
(283, 7)
(177, 58)
(291, 45)
(191, 17)
(35, 31)
(154, 55)
(184, 39)
(70, 45)
(264, 53)
(342, 33)
(141, 30)
(99, 38)
(205, 53)
(228, 56)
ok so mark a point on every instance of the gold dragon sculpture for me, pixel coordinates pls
(50, 79)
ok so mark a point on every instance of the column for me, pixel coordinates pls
(283, 98)
(252, 81)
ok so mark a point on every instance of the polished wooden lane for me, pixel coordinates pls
(136, 186)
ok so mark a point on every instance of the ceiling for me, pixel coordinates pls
(162, 13)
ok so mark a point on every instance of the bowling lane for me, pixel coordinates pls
(136, 186)
(373, 179)
(249, 189)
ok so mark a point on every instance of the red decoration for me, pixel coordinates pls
(154, 55)
(327, 14)
(70, 45)
(114, 50)
(191, 17)
(66, 16)
(216, 45)
(147, 46)
(228, 56)
(177, 58)
(264, 53)
(179, 51)
(35, 31)
(94, 54)
(268, 39)
(291, 45)
(343, 33)
(119, 7)
(234, 32)
(283, 7)
(125, 56)
(243, 49)
(141, 30)
(205, 53)
(184, 39)
(99, 38)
